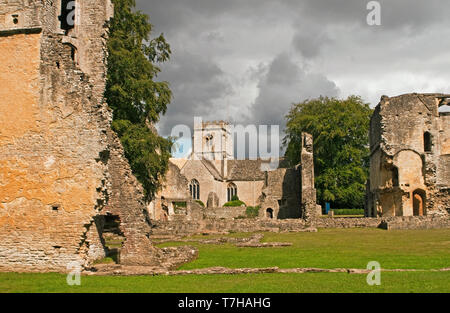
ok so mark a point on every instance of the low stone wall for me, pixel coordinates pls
(163, 229)
(415, 222)
(225, 212)
(177, 229)
(349, 222)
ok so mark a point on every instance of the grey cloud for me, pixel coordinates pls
(339, 53)
(286, 83)
(309, 44)
(196, 84)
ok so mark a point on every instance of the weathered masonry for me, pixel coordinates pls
(410, 157)
(62, 169)
(211, 175)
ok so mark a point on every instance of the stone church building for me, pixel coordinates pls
(410, 157)
(211, 176)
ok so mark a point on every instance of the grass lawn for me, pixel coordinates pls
(334, 248)
(252, 283)
(329, 248)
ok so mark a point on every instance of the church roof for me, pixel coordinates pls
(212, 169)
(245, 170)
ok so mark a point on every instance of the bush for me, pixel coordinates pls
(252, 212)
(349, 212)
(180, 204)
(235, 198)
(200, 202)
(234, 203)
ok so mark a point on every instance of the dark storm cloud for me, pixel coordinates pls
(195, 84)
(285, 83)
(256, 57)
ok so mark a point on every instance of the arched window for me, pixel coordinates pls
(231, 191)
(427, 142)
(194, 188)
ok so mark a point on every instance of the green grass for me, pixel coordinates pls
(107, 260)
(252, 283)
(329, 248)
(335, 248)
(234, 203)
(348, 212)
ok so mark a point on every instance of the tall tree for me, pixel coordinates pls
(341, 153)
(135, 96)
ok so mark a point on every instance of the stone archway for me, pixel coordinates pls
(269, 213)
(419, 201)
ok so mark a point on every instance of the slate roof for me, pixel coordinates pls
(212, 169)
(245, 170)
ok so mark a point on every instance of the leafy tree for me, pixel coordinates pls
(341, 153)
(136, 98)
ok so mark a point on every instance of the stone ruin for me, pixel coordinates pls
(64, 177)
(63, 173)
(410, 157)
(199, 186)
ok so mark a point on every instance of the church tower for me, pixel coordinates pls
(213, 141)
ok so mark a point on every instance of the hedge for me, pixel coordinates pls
(348, 212)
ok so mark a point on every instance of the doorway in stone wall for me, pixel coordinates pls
(113, 237)
(269, 213)
(419, 201)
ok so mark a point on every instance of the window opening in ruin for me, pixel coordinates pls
(427, 142)
(395, 179)
(419, 198)
(444, 105)
(269, 213)
(165, 213)
(113, 237)
(15, 19)
(444, 109)
(55, 207)
(194, 188)
(73, 53)
(231, 191)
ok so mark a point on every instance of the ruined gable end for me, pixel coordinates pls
(410, 157)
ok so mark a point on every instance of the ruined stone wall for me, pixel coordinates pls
(175, 229)
(409, 173)
(225, 212)
(170, 229)
(309, 207)
(52, 115)
(248, 191)
(126, 200)
(415, 222)
(282, 194)
(60, 163)
(175, 188)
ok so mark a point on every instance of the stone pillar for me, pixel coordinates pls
(308, 202)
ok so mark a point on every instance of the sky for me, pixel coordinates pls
(248, 61)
